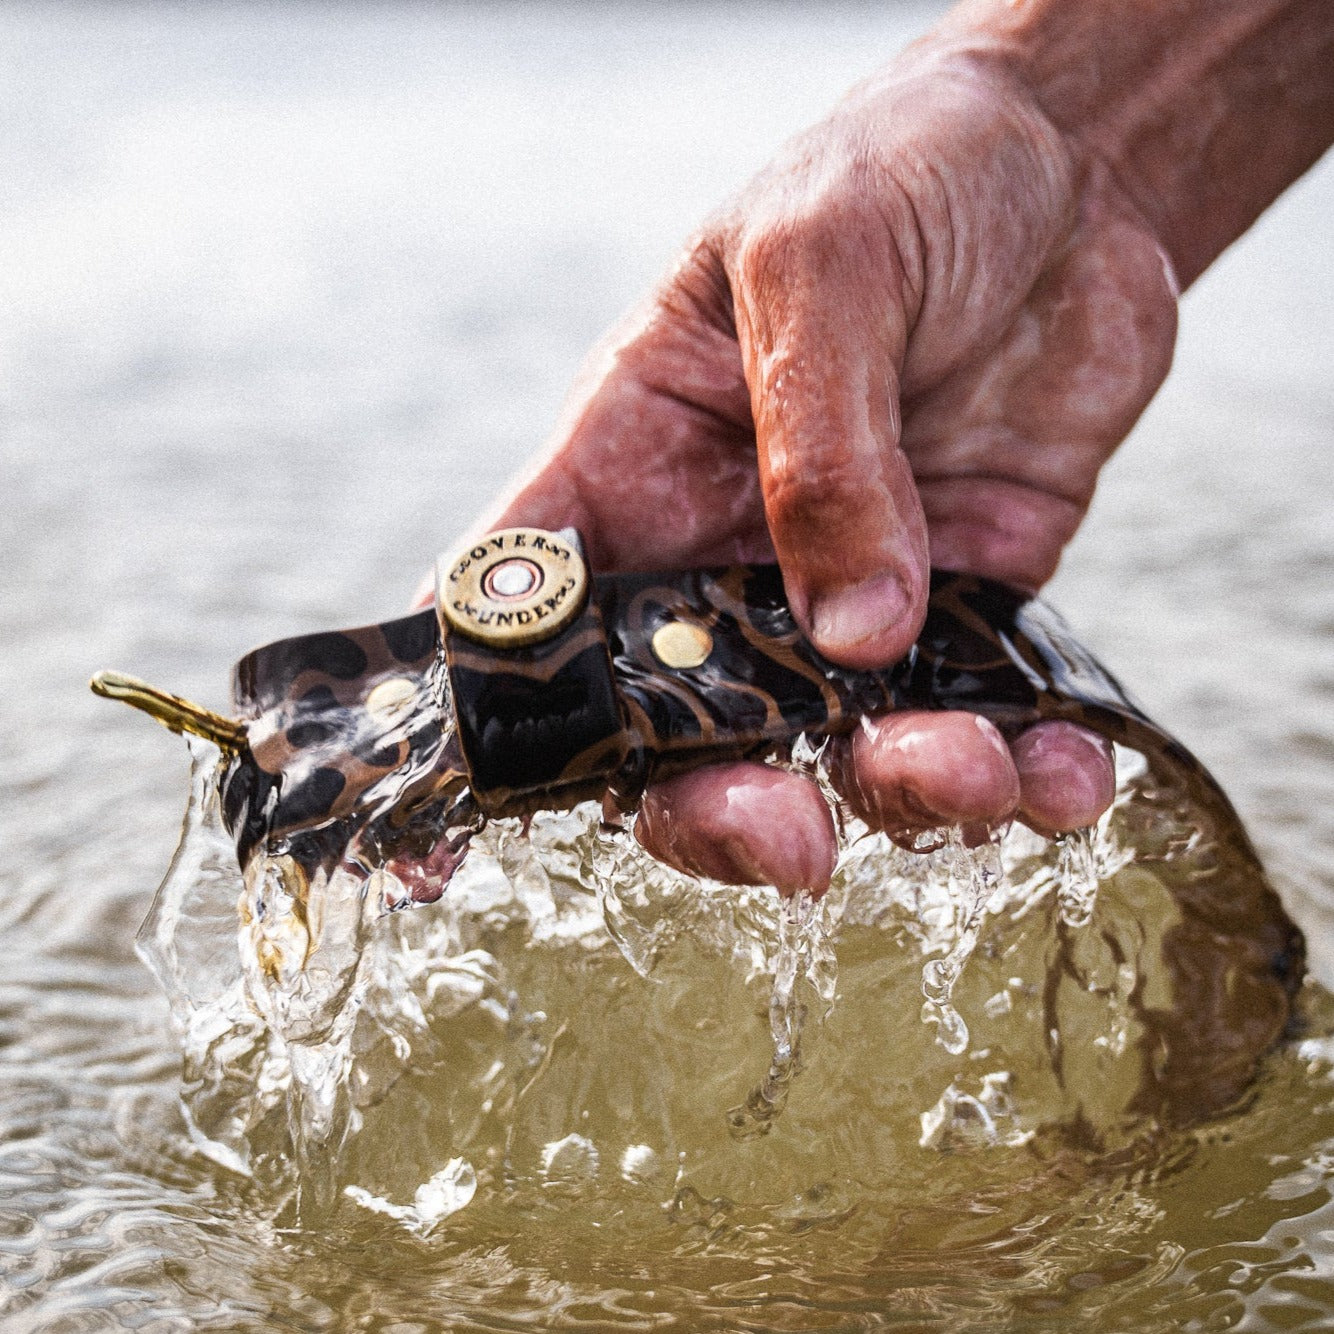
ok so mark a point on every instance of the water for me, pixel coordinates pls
(455, 1073)
(287, 293)
(973, 877)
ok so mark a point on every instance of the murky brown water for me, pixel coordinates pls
(284, 296)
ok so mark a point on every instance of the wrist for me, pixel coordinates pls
(1205, 111)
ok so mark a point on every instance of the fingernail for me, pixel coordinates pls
(843, 621)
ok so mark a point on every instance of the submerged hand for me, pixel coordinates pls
(914, 339)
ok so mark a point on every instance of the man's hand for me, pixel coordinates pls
(914, 339)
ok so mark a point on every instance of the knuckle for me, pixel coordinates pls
(778, 248)
(817, 487)
(808, 235)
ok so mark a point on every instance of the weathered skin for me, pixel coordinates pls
(915, 338)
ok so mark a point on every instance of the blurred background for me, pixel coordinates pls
(287, 291)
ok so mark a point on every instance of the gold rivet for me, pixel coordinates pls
(390, 696)
(681, 644)
(512, 588)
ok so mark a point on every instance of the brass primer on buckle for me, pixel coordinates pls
(512, 588)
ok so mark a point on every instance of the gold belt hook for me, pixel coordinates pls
(173, 712)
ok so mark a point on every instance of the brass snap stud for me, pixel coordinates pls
(390, 697)
(512, 588)
(681, 644)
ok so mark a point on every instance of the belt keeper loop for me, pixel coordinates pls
(535, 701)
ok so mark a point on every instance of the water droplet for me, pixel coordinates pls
(449, 1190)
(1077, 877)
(570, 1163)
(640, 1165)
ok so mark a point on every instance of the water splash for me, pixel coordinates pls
(301, 1005)
(647, 907)
(803, 962)
(448, 1191)
(295, 1003)
(981, 1119)
(975, 875)
(570, 1164)
(1077, 877)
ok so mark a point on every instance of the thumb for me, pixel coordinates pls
(822, 327)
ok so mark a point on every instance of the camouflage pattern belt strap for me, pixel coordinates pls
(497, 704)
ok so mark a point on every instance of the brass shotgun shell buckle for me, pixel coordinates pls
(512, 588)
